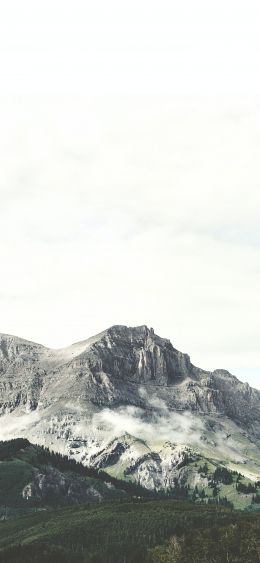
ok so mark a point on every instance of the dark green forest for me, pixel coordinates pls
(132, 532)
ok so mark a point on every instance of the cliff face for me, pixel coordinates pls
(111, 369)
(139, 356)
(103, 370)
(21, 373)
(124, 380)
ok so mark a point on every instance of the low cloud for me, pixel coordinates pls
(17, 426)
(153, 425)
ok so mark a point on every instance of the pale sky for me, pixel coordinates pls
(129, 174)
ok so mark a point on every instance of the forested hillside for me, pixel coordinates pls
(55, 510)
(132, 532)
(33, 478)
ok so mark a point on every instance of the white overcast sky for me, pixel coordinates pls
(130, 173)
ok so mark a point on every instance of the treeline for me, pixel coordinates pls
(227, 477)
(246, 488)
(44, 457)
(10, 448)
(63, 463)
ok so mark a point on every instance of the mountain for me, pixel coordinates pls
(128, 402)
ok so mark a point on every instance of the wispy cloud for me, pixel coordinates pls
(157, 425)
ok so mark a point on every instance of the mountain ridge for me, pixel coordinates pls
(79, 399)
(159, 363)
(110, 330)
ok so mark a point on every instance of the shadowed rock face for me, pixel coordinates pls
(139, 356)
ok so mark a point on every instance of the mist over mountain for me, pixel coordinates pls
(126, 400)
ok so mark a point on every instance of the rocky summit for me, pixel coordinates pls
(126, 400)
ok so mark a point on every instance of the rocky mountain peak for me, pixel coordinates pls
(118, 397)
(139, 355)
(130, 335)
